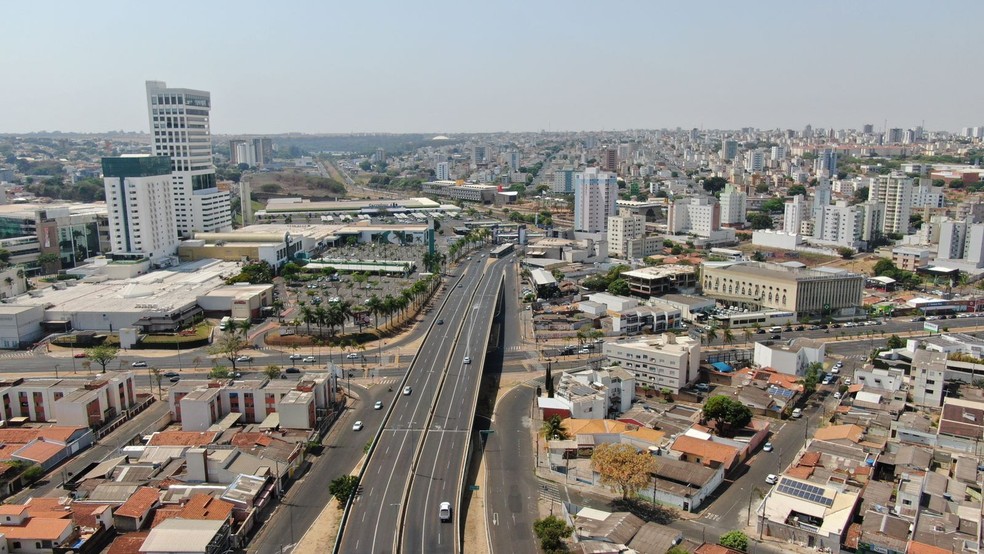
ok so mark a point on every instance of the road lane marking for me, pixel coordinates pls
(495, 518)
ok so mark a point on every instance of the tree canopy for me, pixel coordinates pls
(102, 354)
(714, 185)
(727, 412)
(551, 531)
(622, 468)
(736, 540)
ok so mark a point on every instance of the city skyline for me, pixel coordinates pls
(446, 67)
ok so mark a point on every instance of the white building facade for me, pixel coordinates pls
(662, 361)
(179, 124)
(140, 207)
(734, 207)
(595, 193)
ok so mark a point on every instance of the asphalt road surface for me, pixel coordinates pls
(438, 474)
(375, 513)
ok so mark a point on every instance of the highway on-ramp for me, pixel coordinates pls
(375, 513)
(438, 473)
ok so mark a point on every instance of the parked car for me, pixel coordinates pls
(797, 412)
(170, 374)
(771, 479)
(837, 394)
(767, 447)
(702, 387)
(292, 370)
(295, 357)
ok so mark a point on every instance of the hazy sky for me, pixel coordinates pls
(466, 66)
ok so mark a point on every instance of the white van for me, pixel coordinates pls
(775, 329)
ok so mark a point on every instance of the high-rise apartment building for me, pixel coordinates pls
(795, 212)
(513, 160)
(777, 153)
(139, 202)
(622, 230)
(962, 241)
(845, 225)
(734, 206)
(179, 125)
(826, 163)
(822, 196)
(609, 159)
(263, 150)
(595, 193)
(868, 129)
(754, 161)
(894, 136)
(729, 149)
(479, 155)
(699, 215)
(241, 152)
(563, 182)
(895, 192)
(442, 171)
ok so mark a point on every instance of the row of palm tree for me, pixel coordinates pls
(475, 236)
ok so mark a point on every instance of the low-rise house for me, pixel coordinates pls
(706, 451)
(133, 514)
(72, 402)
(591, 393)
(44, 446)
(21, 532)
(792, 358)
(191, 536)
(807, 513)
(685, 485)
(961, 425)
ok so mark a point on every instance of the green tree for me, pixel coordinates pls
(551, 531)
(343, 487)
(271, 371)
(758, 256)
(553, 429)
(895, 341)
(33, 473)
(812, 376)
(796, 190)
(735, 539)
(157, 377)
(220, 372)
(713, 185)
(619, 287)
(623, 468)
(229, 345)
(726, 412)
(102, 354)
(759, 220)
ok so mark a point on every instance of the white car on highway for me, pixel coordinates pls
(357, 426)
(445, 511)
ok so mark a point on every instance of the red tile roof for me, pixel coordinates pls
(38, 528)
(923, 548)
(162, 514)
(139, 503)
(707, 450)
(40, 452)
(203, 506)
(129, 543)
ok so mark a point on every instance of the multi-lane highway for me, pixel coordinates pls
(437, 475)
(375, 514)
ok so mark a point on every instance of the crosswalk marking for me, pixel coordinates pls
(550, 492)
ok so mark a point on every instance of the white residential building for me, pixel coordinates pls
(962, 241)
(895, 192)
(622, 230)
(563, 182)
(179, 125)
(926, 195)
(595, 193)
(928, 368)
(792, 358)
(442, 172)
(733, 206)
(754, 161)
(660, 361)
(845, 225)
(821, 197)
(796, 211)
(700, 216)
(140, 207)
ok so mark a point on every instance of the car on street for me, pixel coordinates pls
(139, 363)
(814, 328)
(174, 379)
(357, 426)
(767, 447)
(445, 511)
(170, 374)
(800, 328)
(827, 380)
(467, 360)
(81, 355)
(292, 370)
(310, 360)
(244, 358)
(798, 413)
(440, 322)
(837, 395)
(771, 479)
(295, 357)
(237, 374)
(352, 356)
(760, 331)
(378, 405)
(702, 387)
(407, 391)
(776, 337)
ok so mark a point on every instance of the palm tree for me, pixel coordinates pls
(242, 326)
(553, 429)
(321, 317)
(747, 331)
(710, 334)
(728, 336)
(375, 307)
(390, 306)
(307, 315)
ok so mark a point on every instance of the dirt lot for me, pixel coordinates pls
(295, 182)
(776, 255)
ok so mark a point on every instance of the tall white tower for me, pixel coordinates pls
(595, 192)
(139, 202)
(179, 123)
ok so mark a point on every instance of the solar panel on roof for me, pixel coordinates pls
(805, 491)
